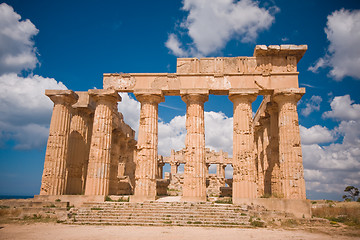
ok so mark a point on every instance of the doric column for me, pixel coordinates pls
(220, 170)
(146, 163)
(160, 170)
(173, 168)
(244, 182)
(79, 146)
(194, 188)
(266, 184)
(98, 176)
(272, 173)
(259, 157)
(290, 156)
(54, 175)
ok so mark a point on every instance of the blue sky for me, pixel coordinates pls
(70, 44)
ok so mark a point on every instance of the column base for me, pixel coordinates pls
(244, 189)
(193, 199)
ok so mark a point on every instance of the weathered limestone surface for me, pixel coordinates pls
(244, 182)
(194, 188)
(94, 152)
(54, 175)
(290, 156)
(79, 146)
(98, 175)
(146, 162)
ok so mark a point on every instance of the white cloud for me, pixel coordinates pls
(343, 33)
(313, 104)
(172, 135)
(175, 46)
(331, 168)
(342, 108)
(17, 50)
(130, 108)
(315, 135)
(211, 24)
(25, 111)
(218, 132)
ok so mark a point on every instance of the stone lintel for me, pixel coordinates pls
(104, 93)
(283, 50)
(85, 101)
(58, 96)
(283, 94)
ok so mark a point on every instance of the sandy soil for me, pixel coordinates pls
(54, 231)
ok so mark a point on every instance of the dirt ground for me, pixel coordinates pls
(53, 231)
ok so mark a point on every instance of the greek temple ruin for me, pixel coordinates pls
(91, 151)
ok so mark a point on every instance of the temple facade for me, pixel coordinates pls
(91, 150)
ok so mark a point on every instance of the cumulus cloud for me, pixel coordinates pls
(171, 135)
(130, 108)
(211, 24)
(311, 105)
(342, 108)
(330, 168)
(315, 135)
(343, 53)
(24, 109)
(17, 51)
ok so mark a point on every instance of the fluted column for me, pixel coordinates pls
(244, 182)
(146, 163)
(194, 188)
(98, 176)
(290, 156)
(272, 174)
(54, 175)
(259, 157)
(266, 184)
(79, 146)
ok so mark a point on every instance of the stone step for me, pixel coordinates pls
(179, 217)
(192, 224)
(161, 214)
(155, 214)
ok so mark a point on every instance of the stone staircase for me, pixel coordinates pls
(161, 214)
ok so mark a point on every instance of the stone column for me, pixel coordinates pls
(160, 169)
(146, 163)
(194, 188)
(272, 174)
(259, 157)
(221, 170)
(265, 122)
(290, 156)
(54, 175)
(79, 145)
(244, 184)
(173, 168)
(98, 176)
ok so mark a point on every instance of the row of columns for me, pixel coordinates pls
(287, 179)
(286, 176)
(83, 147)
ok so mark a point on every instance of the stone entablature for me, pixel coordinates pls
(270, 68)
(267, 155)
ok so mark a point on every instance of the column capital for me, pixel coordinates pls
(149, 96)
(194, 95)
(271, 107)
(67, 97)
(248, 95)
(288, 94)
(104, 95)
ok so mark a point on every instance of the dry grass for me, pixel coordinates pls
(343, 212)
